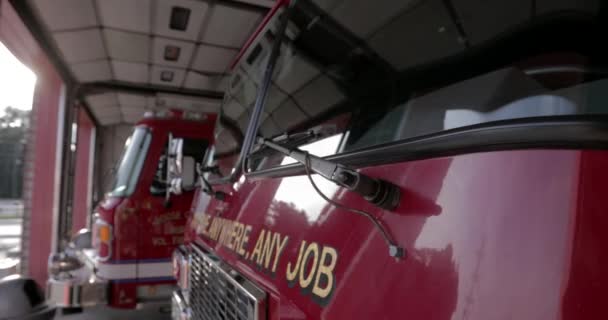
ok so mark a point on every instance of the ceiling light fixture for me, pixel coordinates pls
(166, 76)
(179, 18)
(172, 53)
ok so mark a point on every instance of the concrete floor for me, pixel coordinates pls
(10, 235)
(151, 312)
(10, 238)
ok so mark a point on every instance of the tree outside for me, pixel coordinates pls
(13, 130)
(17, 84)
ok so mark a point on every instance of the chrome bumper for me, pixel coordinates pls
(79, 287)
(70, 293)
(179, 307)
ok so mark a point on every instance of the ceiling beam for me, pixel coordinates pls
(145, 89)
(261, 4)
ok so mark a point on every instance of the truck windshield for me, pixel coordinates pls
(399, 81)
(129, 168)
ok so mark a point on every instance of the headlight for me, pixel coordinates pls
(181, 267)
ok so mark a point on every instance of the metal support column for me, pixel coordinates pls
(64, 227)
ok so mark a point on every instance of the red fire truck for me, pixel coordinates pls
(139, 223)
(409, 160)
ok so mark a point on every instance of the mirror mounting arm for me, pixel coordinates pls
(168, 174)
(206, 186)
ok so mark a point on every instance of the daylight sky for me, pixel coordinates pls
(16, 82)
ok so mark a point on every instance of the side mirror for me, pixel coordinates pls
(188, 174)
(174, 157)
(82, 239)
(184, 180)
(181, 169)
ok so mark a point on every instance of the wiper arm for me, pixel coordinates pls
(378, 192)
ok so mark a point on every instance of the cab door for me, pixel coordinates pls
(163, 219)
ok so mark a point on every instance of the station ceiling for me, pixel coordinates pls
(179, 45)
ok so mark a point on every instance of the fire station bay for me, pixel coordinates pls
(303, 159)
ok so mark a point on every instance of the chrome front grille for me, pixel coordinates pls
(216, 292)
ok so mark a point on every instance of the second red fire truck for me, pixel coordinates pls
(141, 220)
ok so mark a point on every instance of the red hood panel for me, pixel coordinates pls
(487, 236)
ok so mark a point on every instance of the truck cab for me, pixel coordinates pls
(139, 223)
(409, 159)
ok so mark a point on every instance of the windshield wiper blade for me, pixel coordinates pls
(287, 140)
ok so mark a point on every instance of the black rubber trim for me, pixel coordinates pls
(556, 132)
